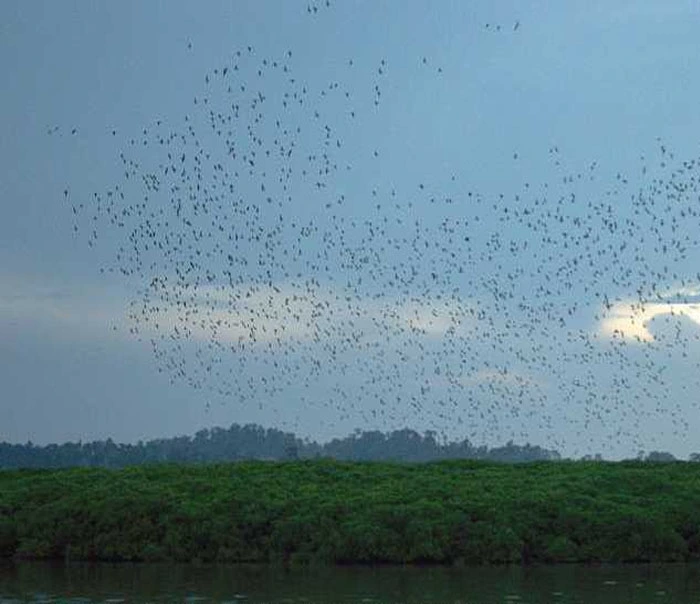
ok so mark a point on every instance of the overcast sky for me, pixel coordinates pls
(502, 236)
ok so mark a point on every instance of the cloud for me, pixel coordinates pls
(77, 308)
(630, 320)
(248, 313)
(289, 312)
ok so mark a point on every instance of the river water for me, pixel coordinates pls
(114, 583)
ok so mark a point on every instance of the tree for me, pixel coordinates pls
(660, 456)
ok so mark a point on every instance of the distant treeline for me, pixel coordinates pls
(326, 512)
(255, 442)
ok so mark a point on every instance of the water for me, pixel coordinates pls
(116, 583)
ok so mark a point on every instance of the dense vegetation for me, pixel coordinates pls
(255, 442)
(454, 512)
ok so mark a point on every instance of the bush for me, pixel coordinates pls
(343, 512)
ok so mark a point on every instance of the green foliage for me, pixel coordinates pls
(324, 511)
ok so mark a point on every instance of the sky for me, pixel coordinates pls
(478, 218)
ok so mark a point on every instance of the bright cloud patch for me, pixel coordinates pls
(631, 320)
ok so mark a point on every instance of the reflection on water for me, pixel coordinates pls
(115, 583)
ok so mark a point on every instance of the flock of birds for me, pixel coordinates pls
(276, 266)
